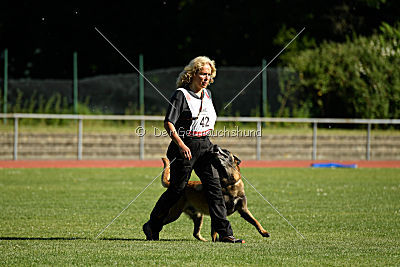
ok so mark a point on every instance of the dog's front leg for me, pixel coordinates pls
(213, 235)
(246, 214)
(198, 223)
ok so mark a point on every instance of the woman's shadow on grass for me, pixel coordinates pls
(83, 238)
(40, 238)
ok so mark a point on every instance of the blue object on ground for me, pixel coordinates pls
(333, 165)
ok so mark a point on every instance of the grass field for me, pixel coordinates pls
(52, 216)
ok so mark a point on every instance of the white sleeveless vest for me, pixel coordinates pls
(203, 120)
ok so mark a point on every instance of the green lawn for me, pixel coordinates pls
(52, 216)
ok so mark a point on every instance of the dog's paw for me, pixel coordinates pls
(265, 234)
(199, 237)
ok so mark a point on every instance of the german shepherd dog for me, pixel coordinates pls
(194, 201)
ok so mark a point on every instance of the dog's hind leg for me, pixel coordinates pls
(246, 214)
(197, 218)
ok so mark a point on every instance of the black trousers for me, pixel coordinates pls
(180, 171)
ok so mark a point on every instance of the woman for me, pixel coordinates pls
(189, 119)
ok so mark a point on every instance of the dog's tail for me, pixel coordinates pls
(165, 173)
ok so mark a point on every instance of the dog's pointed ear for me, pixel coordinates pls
(237, 160)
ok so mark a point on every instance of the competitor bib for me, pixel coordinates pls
(203, 113)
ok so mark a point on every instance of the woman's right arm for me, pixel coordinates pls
(183, 149)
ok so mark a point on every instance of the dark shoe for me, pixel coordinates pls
(150, 235)
(231, 239)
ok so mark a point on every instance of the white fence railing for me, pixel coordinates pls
(143, 119)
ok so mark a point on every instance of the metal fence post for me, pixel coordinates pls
(141, 107)
(15, 157)
(258, 140)
(141, 85)
(368, 156)
(75, 81)
(80, 128)
(314, 150)
(141, 141)
(264, 102)
(5, 93)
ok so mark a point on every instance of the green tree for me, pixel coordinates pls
(358, 78)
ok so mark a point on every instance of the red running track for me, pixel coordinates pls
(158, 163)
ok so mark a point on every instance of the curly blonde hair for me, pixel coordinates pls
(196, 64)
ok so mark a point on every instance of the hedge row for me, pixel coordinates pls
(356, 79)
